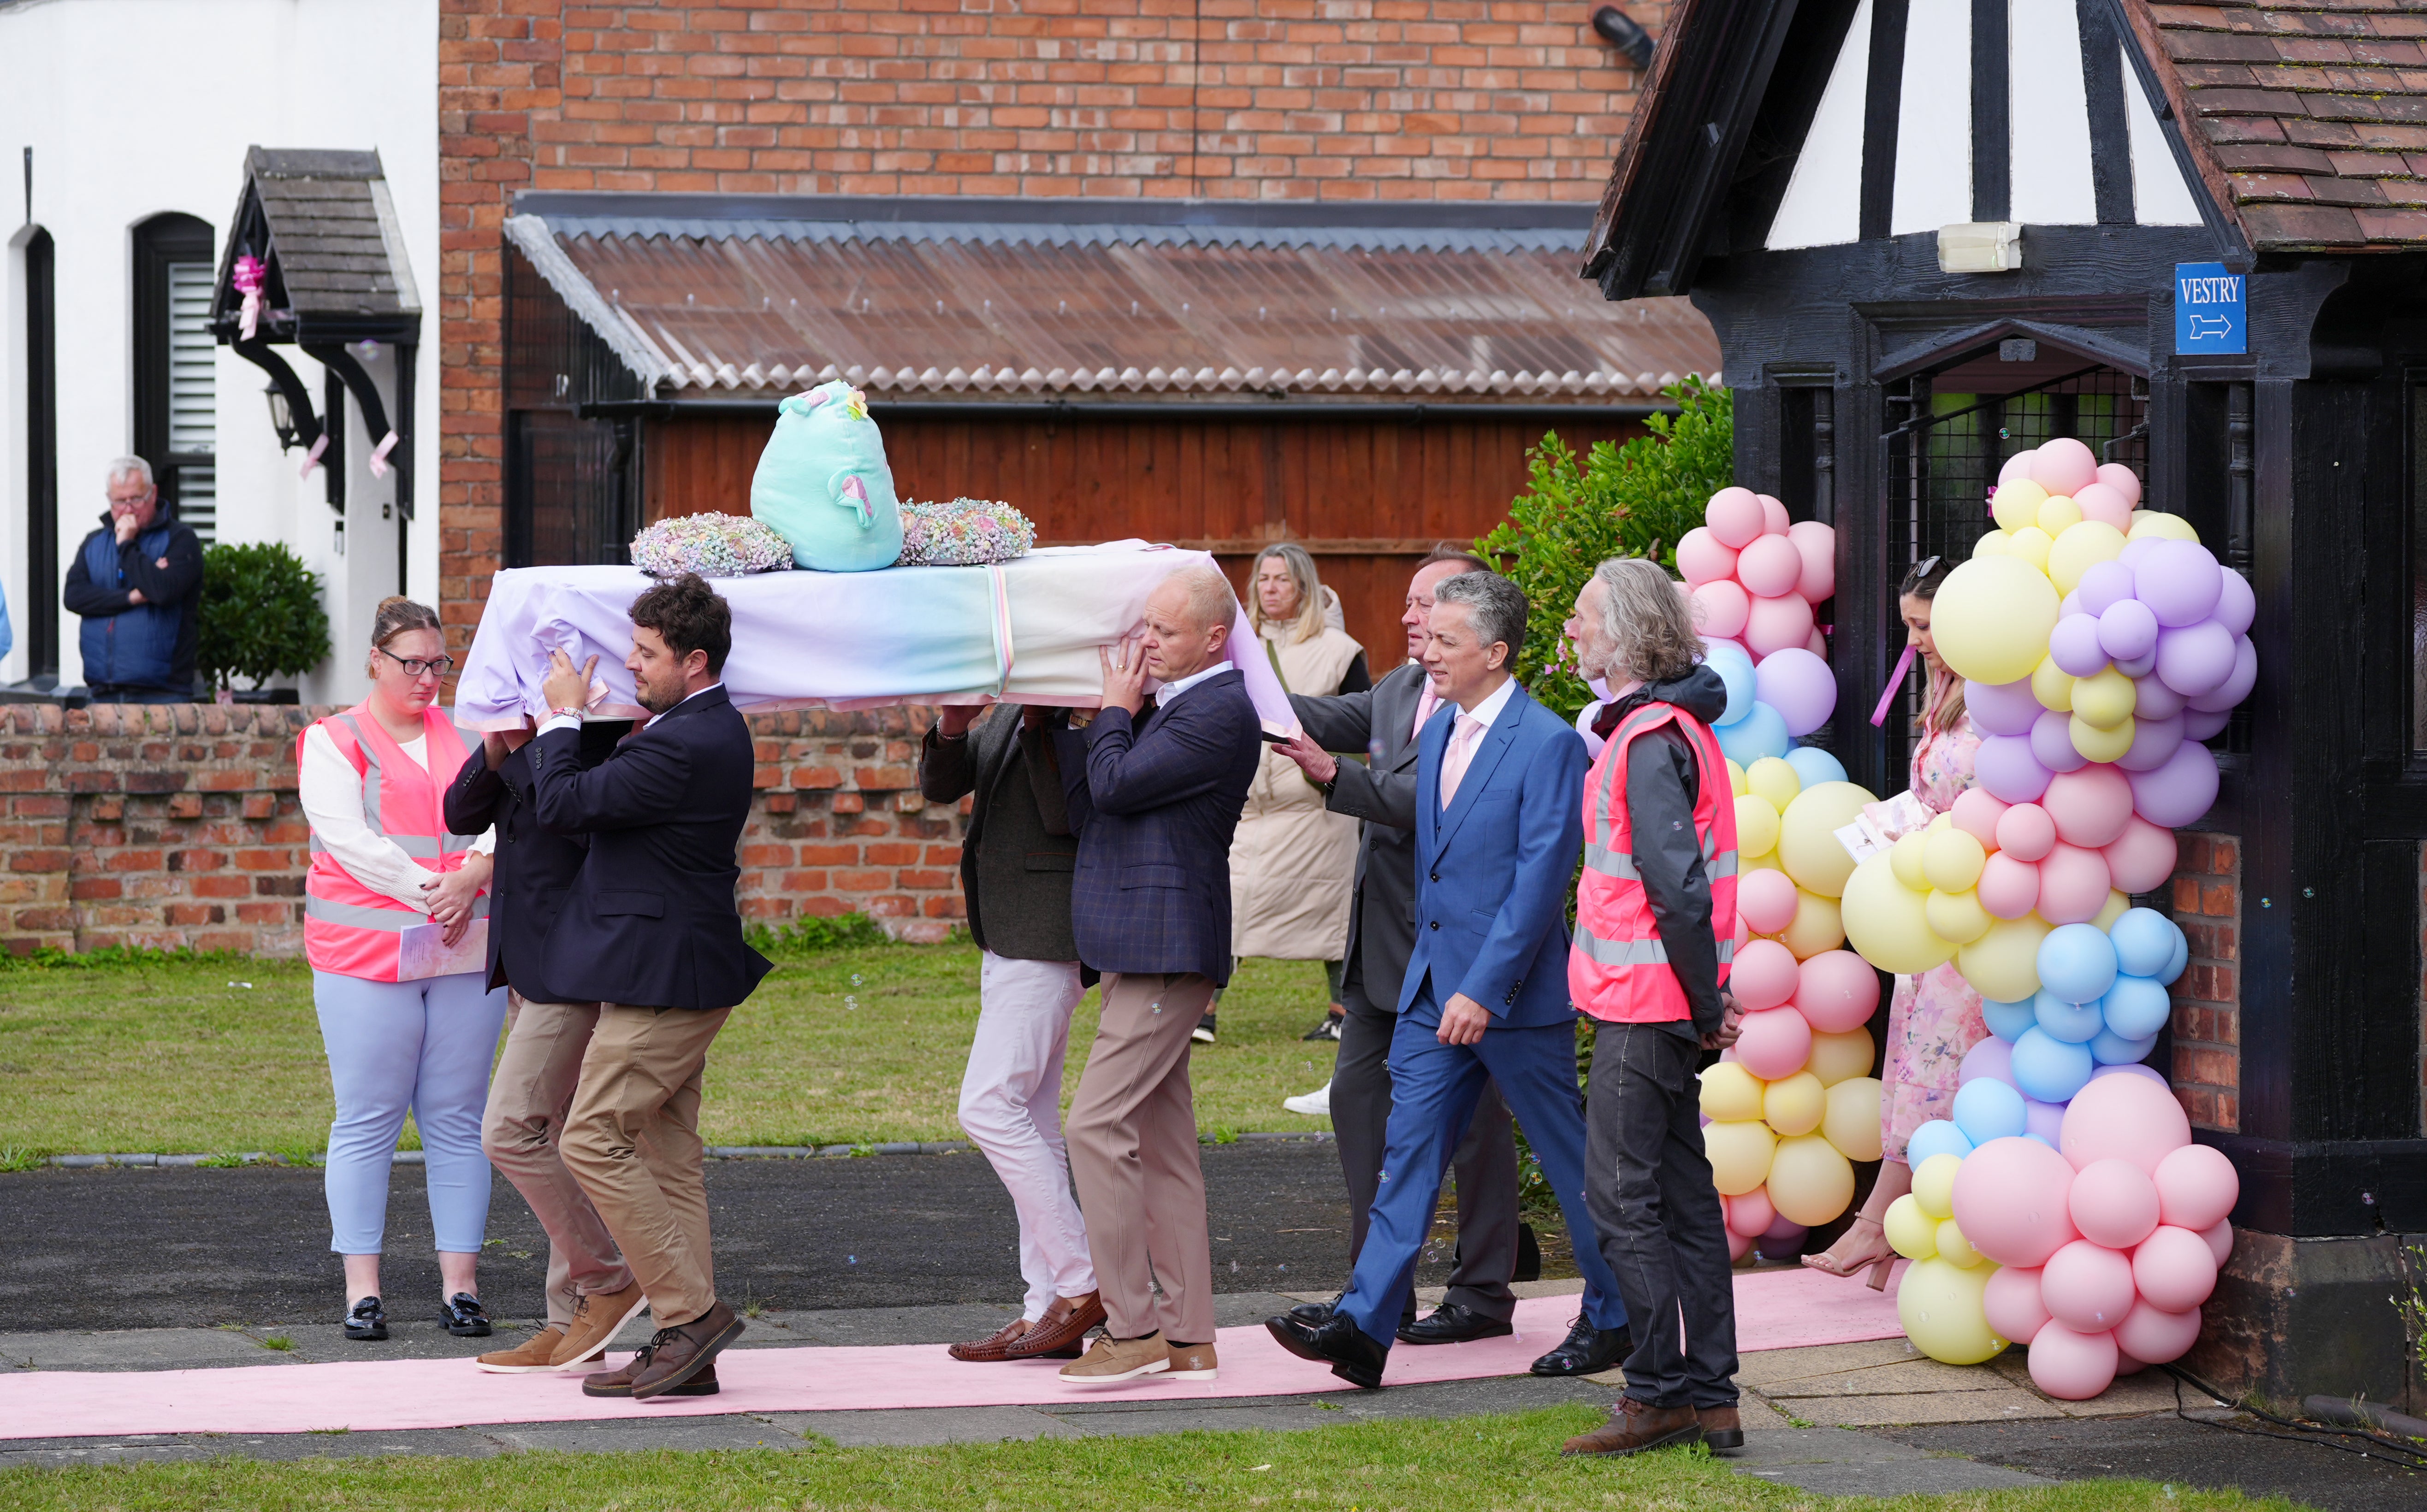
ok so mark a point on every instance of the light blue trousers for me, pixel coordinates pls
(424, 1047)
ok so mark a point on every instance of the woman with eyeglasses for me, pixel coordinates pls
(394, 912)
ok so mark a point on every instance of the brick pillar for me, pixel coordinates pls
(2208, 996)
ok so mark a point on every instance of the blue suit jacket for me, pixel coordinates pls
(1492, 872)
(1154, 805)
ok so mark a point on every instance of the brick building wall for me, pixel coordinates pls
(2208, 996)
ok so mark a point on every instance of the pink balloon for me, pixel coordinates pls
(2009, 1201)
(2069, 1365)
(2174, 1269)
(2113, 1203)
(2072, 885)
(1744, 935)
(2089, 806)
(1721, 607)
(2008, 888)
(1766, 901)
(2017, 465)
(2179, 580)
(1775, 1043)
(1774, 515)
(2236, 604)
(2012, 1303)
(1818, 642)
(2004, 764)
(2027, 831)
(1796, 683)
(1993, 1057)
(2157, 1336)
(1977, 812)
(2153, 741)
(1739, 1246)
(1770, 567)
(2086, 1287)
(2196, 1187)
(2147, 1073)
(2236, 684)
(1734, 516)
(2138, 860)
(1752, 1213)
(1764, 976)
(2122, 478)
(2123, 1117)
(2062, 465)
(2001, 709)
(2100, 501)
(2220, 1241)
(1702, 560)
(2052, 742)
(2195, 660)
(1775, 624)
(1816, 544)
(2178, 793)
(1837, 991)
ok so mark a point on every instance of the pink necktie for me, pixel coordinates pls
(1426, 704)
(1462, 750)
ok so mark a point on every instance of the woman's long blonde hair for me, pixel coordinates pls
(1942, 699)
(1307, 623)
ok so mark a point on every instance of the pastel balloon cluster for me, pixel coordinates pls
(1752, 581)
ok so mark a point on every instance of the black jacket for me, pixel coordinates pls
(1380, 724)
(1018, 854)
(537, 867)
(651, 920)
(151, 644)
(1662, 777)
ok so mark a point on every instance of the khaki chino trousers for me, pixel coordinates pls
(529, 1099)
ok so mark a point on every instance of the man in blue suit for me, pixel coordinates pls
(1499, 824)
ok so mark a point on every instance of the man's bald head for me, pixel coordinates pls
(1187, 623)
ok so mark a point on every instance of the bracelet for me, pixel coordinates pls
(566, 713)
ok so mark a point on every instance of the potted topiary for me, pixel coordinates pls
(261, 618)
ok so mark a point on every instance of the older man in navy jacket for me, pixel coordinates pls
(1499, 824)
(1154, 800)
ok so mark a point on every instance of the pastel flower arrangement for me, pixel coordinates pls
(712, 545)
(964, 533)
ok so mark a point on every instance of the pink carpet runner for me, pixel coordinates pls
(1775, 1309)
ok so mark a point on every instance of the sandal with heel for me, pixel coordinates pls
(1878, 1265)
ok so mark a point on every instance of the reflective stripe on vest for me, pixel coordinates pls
(350, 929)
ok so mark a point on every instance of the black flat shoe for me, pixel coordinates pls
(1328, 1028)
(1586, 1351)
(1453, 1324)
(367, 1323)
(463, 1317)
(1339, 1343)
(1314, 1314)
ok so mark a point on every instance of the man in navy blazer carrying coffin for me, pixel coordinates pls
(1499, 826)
(651, 933)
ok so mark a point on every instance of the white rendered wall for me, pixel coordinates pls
(137, 106)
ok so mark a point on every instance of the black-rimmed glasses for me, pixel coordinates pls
(416, 666)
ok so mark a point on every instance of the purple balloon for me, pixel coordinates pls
(2177, 793)
(2238, 682)
(2044, 1120)
(2136, 552)
(2155, 700)
(2200, 725)
(2179, 580)
(1800, 686)
(2075, 645)
(2052, 742)
(2195, 658)
(1993, 1057)
(2153, 742)
(2235, 606)
(2001, 709)
(2103, 584)
(2005, 766)
(2069, 604)
(2139, 667)
(2126, 630)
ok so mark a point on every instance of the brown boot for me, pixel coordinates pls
(618, 1382)
(681, 1351)
(995, 1346)
(1058, 1334)
(1722, 1428)
(1635, 1427)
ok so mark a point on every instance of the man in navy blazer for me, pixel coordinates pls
(1499, 824)
(1154, 800)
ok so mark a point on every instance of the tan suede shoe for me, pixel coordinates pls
(596, 1321)
(536, 1354)
(1119, 1359)
(1194, 1362)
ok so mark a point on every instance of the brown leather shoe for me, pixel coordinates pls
(1059, 1333)
(1722, 1428)
(681, 1351)
(994, 1347)
(1635, 1427)
(618, 1382)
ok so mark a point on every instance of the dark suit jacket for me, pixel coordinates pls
(1017, 855)
(651, 919)
(535, 866)
(1493, 871)
(1155, 805)
(1380, 725)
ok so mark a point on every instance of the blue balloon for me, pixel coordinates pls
(1987, 1109)
(2077, 964)
(2071, 1022)
(2110, 1049)
(1735, 670)
(2135, 1007)
(2007, 1020)
(2144, 939)
(1936, 1137)
(1815, 766)
(2174, 964)
(1761, 733)
(2049, 1071)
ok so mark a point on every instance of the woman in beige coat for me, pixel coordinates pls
(1293, 863)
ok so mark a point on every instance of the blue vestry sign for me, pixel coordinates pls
(2211, 313)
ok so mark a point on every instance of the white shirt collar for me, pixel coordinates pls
(1173, 690)
(687, 697)
(1488, 710)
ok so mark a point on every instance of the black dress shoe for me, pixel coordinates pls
(1452, 1323)
(1587, 1351)
(1314, 1314)
(367, 1322)
(464, 1316)
(1339, 1342)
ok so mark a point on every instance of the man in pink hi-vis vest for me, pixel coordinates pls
(1655, 929)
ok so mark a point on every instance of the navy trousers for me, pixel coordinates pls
(1434, 1088)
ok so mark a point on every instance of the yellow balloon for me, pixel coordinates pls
(1739, 1155)
(2016, 503)
(1818, 926)
(1775, 780)
(1992, 616)
(1839, 1058)
(2096, 745)
(1757, 826)
(1992, 544)
(1885, 922)
(1909, 1232)
(2030, 544)
(2147, 523)
(2052, 686)
(2114, 909)
(1810, 1183)
(1794, 1104)
(1934, 1184)
(1736, 779)
(1956, 916)
(1807, 836)
(1904, 859)
(1852, 1120)
(1731, 1093)
(1765, 862)
(2080, 547)
(2057, 515)
(2003, 965)
(2104, 699)
(1942, 822)
(1954, 1248)
(1939, 1305)
(1951, 859)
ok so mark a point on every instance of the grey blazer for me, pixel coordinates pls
(1381, 725)
(1018, 854)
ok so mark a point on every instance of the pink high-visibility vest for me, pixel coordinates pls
(350, 929)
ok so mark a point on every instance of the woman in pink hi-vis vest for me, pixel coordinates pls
(394, 921)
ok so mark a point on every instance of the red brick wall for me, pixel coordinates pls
(2208, 996)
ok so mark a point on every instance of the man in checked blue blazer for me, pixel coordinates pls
(1499, 824)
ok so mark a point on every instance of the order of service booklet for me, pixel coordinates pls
(422, 950)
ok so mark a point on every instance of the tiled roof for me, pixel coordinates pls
(332, 230)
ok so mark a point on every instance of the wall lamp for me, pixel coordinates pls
(1625, 33)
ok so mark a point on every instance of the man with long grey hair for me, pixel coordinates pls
(1655, 929)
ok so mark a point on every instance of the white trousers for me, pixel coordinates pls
(1011, 1108)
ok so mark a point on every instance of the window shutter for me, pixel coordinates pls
(193, 396)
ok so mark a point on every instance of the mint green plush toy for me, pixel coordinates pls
(824, 485)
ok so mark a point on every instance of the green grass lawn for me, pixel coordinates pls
(846, 1047)
(1455, 1464)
